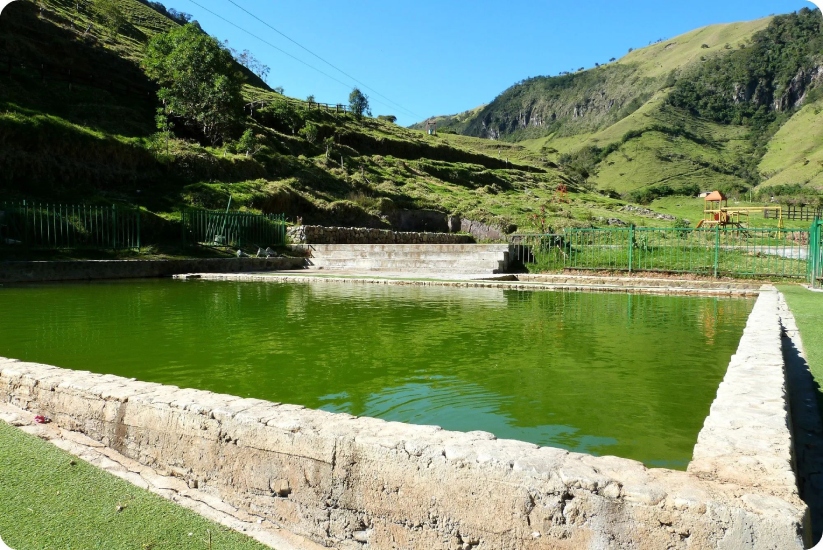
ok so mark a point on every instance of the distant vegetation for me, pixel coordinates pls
(179, 17)
(751, 85)
(699, 111)
(86, 128)
(160, 114)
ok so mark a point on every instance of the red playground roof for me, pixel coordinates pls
(716, 196)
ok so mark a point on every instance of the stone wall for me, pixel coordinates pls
(85, 270)
(478, 230)
(316, 234)
(365, 483)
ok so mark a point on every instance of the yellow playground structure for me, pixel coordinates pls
(717, 212)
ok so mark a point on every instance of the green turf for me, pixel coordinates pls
(807, 307)
(51, 500)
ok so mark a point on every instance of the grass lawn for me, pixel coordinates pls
(48, 503)
(807, 308)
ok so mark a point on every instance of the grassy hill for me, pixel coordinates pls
(727, 106)
(77, 125)
(795, 154)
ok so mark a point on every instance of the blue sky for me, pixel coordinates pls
(430, 57)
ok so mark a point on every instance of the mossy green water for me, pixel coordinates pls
(626, 375)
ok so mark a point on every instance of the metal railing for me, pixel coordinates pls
(815, 268)
(233, 229)
(68, 226)
(712, 251)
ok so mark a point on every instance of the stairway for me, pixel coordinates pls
(411, 258)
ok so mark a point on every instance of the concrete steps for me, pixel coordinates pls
(411, 258)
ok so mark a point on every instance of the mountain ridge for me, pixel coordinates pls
(699, 110)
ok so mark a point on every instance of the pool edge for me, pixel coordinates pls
(341, 480)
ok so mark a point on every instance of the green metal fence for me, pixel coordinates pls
(233, 229)
(715, 252)
(68, 226)
(815, 267)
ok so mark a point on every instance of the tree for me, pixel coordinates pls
(359, 103)
(110, 13)
(164, 126)
(328, 143)
(286, 115)
(309, 131)
(198, 80)
(388, 118)
(247, 143)
(247, 59)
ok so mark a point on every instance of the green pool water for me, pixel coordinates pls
(624, 375)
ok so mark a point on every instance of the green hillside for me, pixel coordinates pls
(587, 101)
(795, 154)
(77, 124)
(727, 106)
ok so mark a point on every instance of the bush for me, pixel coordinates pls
(309, 132)
(648, 194)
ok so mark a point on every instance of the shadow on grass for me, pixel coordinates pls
(806, 402)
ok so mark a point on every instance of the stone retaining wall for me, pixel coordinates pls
(316, 234)
(85, 270)
(365, 483)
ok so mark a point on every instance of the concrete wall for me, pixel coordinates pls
(365, 483)
(84, 270)
(316, 234)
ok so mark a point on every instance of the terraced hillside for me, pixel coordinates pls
(77, 123)
(728, 106)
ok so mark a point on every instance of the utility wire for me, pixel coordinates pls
(235, 25)
(284, 52)
(341, 71)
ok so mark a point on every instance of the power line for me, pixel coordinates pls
(284, 52)
(264, 41)
(341, 71)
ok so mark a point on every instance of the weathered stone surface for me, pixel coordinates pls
(578, 285)
(366, 483)
(317, 234)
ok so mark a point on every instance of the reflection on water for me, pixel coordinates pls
(615, 374)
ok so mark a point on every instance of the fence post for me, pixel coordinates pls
(816, 265)
(814, 252)
(25, 223)
(818, 240)
(631, 246)
(183, 226)
(139, 213)
(716, 249)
